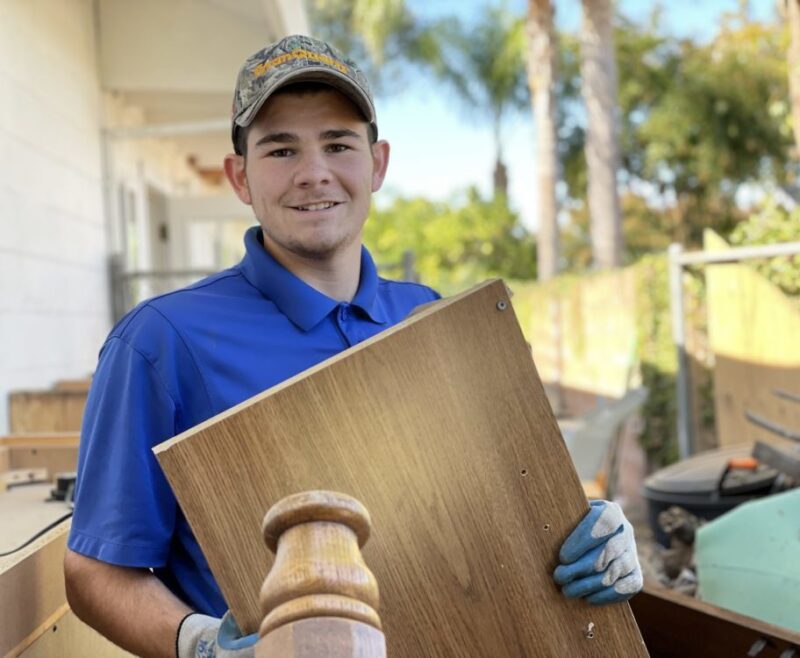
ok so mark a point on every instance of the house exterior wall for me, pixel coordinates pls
(62, 186)
(53, 297)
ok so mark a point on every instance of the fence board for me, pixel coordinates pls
(753, 330)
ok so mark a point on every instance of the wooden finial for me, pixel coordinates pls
(318, 571)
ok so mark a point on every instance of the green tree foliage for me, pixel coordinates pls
(455, 244)
(770, 224)
(657, 359)
(698, 121)
(648, 229)
(383, 36)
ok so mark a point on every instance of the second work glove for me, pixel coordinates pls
(598, 559)
(201, 636)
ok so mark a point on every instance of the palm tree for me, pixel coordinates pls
(599, 90)
(381, 35)
(484, 64)
(542, 74)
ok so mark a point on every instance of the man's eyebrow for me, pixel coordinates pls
(280, 138)
(339, 133)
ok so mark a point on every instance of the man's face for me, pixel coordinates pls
(309, 174)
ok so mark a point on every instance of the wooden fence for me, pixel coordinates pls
(754, 331)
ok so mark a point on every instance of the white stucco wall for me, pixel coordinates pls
(53, 297)
(54, 232)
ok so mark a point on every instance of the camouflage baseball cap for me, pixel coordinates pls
(297, 58)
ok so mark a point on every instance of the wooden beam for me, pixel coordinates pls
(441, 427)
(40, 440)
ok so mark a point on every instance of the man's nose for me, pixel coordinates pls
(312, 169)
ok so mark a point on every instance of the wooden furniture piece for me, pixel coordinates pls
(53, 451)
(440, 426)
(52, 410)
(19, 476)
(31, 590)
(678, 626)
(319, 599)
(35, 619)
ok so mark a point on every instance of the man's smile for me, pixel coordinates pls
(320, 205)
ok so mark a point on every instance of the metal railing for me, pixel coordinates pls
(129, 288)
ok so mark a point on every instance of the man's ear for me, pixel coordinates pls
(380, 162)
(235, 171)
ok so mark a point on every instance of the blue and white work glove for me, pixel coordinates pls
(201, 636)
(598, 559)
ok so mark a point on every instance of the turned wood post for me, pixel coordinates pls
(320, 600)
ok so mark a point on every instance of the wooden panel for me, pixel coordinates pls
(67, 636)
(31, 587)
(56, 452)
(440, 426)
(35, 619)
(46, 411)
(54, 460)
(82, 385)
(678, 626)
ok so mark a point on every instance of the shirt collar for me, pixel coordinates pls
(302, 304)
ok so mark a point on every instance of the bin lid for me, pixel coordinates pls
(701, 473)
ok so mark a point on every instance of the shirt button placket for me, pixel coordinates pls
(344, 323)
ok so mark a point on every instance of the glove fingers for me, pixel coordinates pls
(603, 519)
(622, 590)
(584, 566)
(630, 584)
(607, 595)
(584, 586)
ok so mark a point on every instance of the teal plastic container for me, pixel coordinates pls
(748, 560)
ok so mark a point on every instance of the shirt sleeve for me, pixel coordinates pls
(124, 507)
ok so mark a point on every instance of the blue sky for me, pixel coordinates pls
(437, 151)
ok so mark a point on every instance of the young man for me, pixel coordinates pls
(307, 160)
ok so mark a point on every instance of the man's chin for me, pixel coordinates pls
(313, 245)
(318, 249)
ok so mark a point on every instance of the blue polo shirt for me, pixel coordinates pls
(179, 359)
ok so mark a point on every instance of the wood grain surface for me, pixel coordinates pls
(46, 411)
(323, 637)
(41, 440)
(678, 626)
(31, 589)
(441, 428)
(68, 637)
